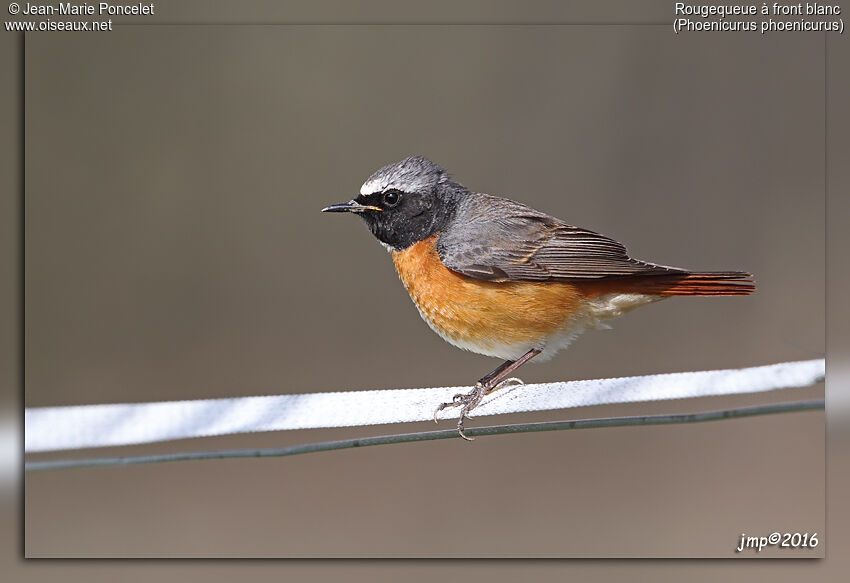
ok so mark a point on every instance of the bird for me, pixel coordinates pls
(495, 277)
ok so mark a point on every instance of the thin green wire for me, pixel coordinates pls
(430, 435)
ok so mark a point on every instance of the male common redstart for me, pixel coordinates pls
(496, 277)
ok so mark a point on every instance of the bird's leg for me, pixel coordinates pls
(485, 385)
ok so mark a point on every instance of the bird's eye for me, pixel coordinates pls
(392, 197)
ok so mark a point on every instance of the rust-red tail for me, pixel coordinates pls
(706, 283)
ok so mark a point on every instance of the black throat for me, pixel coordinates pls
(429, 215)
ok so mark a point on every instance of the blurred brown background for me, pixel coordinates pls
(175, 250)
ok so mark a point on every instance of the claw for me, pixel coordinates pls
(460, 430)
(508, 382)
(441, 407)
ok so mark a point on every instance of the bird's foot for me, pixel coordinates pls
(469, 401)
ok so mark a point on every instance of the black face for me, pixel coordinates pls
(405, 218)
(417, 201)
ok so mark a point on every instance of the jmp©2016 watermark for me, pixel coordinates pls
(789, 540)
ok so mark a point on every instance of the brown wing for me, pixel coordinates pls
(498, 239)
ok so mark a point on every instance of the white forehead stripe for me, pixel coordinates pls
(410, 175)
(374, 185)
(382, 183)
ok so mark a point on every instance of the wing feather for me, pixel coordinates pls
(497, 239)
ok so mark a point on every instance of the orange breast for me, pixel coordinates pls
(481, 315)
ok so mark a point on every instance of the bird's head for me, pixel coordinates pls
(405, 202)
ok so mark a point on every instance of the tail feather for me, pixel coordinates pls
(706, 283)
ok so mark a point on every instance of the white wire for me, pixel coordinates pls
(63, 428)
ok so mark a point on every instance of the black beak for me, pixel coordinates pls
(352, 206)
